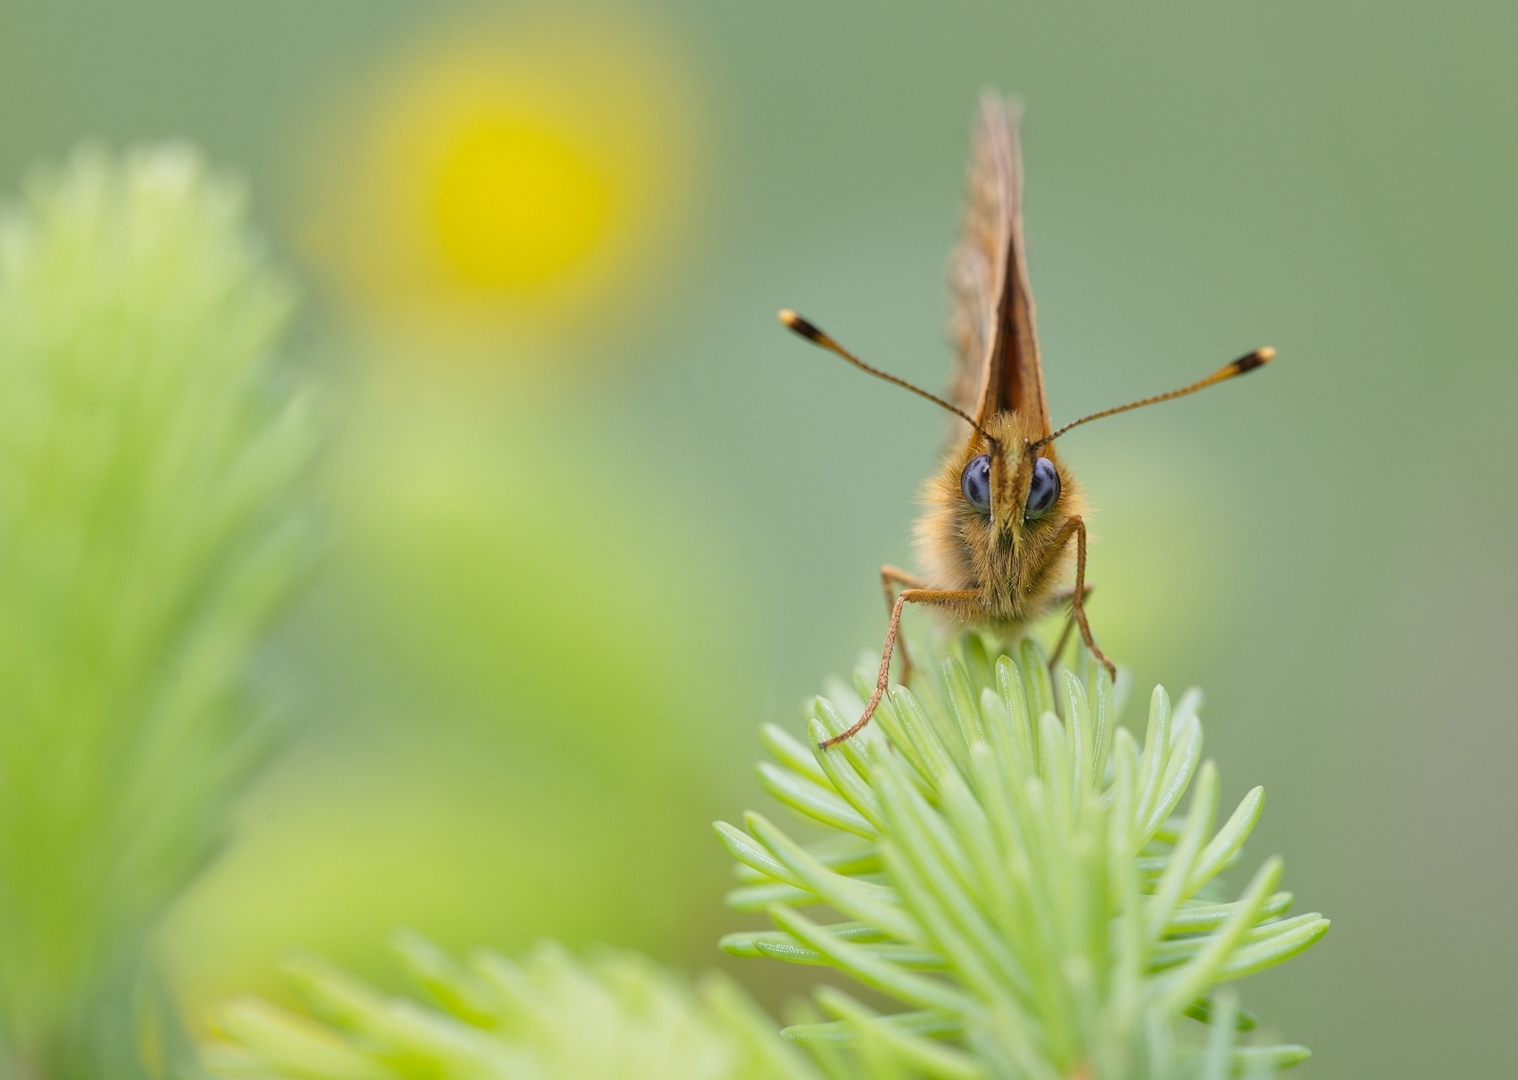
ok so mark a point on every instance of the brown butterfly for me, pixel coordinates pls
(1003, 513)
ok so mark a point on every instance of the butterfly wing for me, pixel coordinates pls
(991, 304)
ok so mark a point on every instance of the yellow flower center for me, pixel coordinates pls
(515, 205)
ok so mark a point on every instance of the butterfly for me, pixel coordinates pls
(1003, 519)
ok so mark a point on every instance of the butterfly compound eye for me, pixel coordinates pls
(975, 482)
(1043, 493)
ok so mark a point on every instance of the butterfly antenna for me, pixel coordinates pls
(807, 330)
(1241, 366)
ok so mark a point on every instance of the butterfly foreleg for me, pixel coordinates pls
(890, 577)
(1075, 526)
(940, 597)
(1064, 635)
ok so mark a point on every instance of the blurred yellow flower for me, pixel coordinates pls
(515, 206)
(506, 179)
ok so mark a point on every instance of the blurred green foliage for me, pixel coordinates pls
(151, 445)
(551, 1017)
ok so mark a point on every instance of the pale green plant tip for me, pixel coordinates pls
(152, 529)
(549, 1016)
(288, 1044)
(1035, 890)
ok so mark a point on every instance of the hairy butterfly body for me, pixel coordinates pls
(1002, 529)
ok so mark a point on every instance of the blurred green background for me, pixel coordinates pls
(593, 515)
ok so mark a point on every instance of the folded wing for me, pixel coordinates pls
(991, 304)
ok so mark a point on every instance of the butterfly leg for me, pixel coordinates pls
(1064, 635)
(1078, 600)
(890, 577)
(940, 597)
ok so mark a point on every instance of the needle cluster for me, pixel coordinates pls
(547, 1017)
(152, 445)
(1013, 869)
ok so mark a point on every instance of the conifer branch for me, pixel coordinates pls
(1019, 879)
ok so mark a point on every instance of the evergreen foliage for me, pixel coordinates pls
(1023, 884)
(551, 1017)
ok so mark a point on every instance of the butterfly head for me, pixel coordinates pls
(1010, 485)
(995, 510)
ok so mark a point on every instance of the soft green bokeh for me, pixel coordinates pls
(1329, 540)
(550, 1016)
(535, 712)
